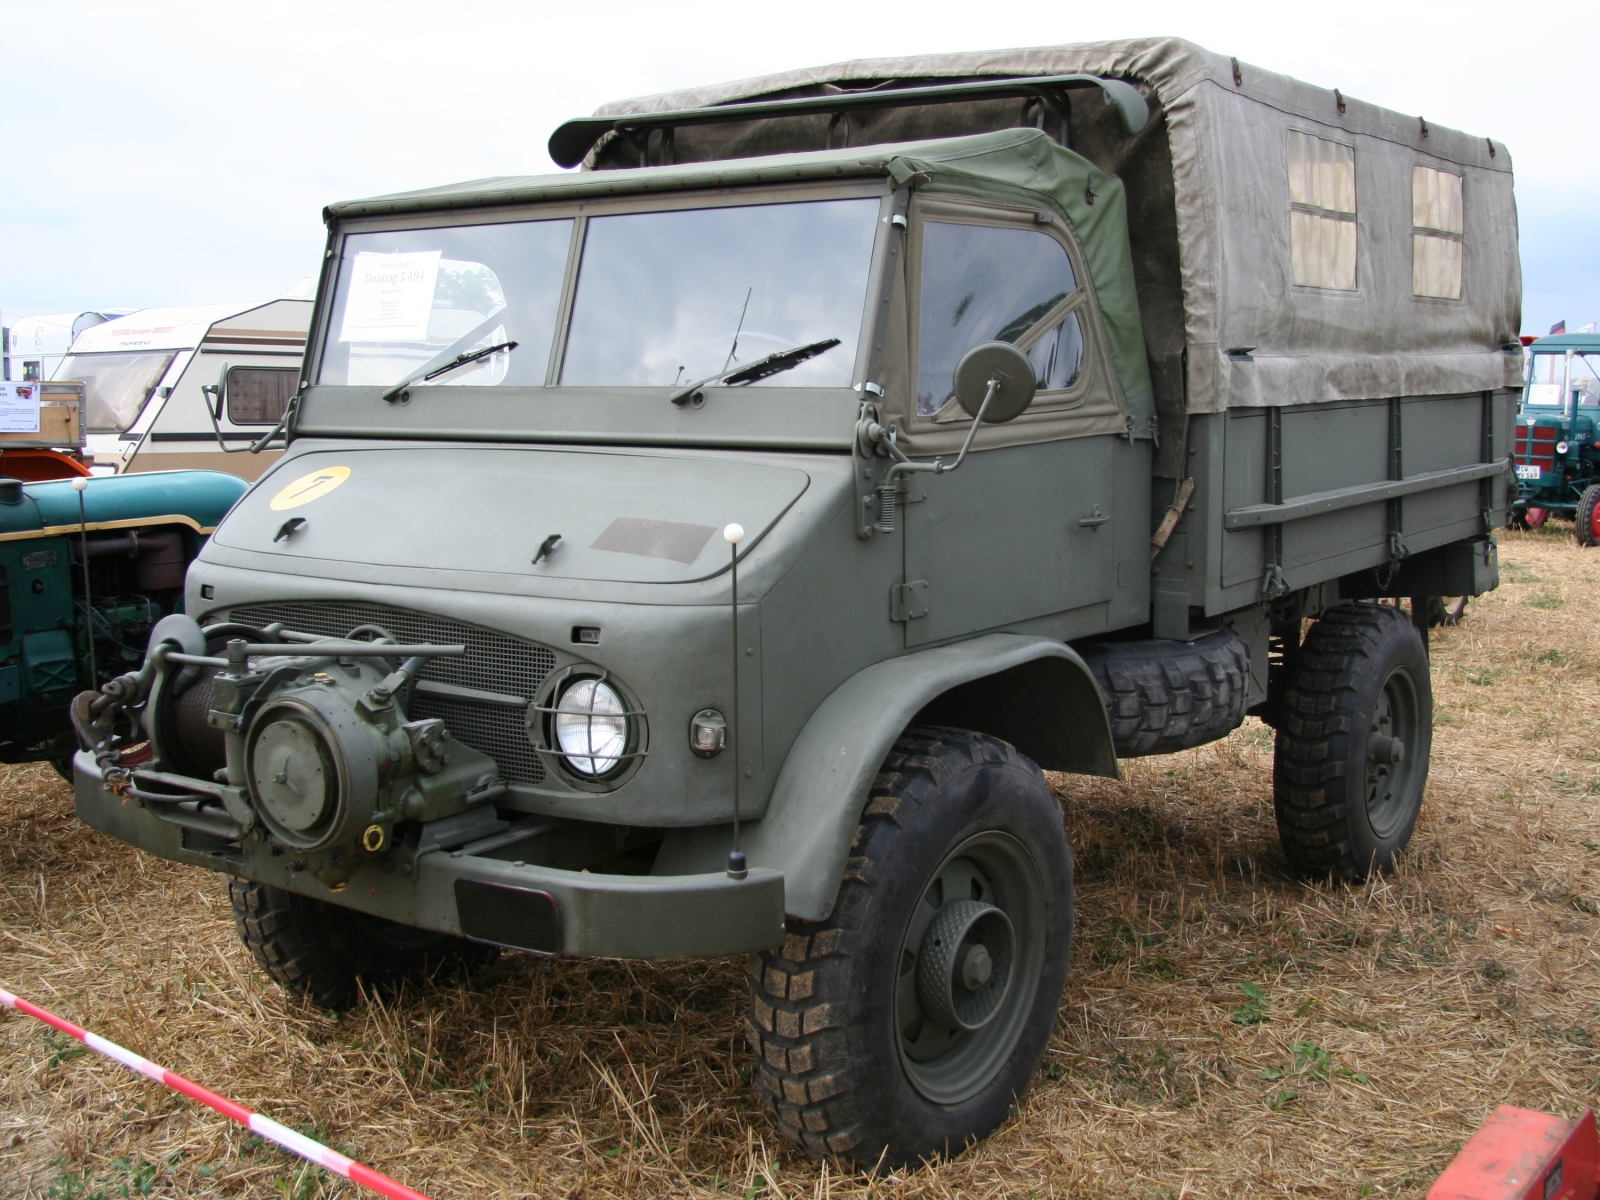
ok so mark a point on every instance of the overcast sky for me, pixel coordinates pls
(169, 152)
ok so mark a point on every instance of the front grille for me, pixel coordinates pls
(1543, 449)
(494, 662)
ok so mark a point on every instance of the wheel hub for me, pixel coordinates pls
(1389, 771)
(964, 965)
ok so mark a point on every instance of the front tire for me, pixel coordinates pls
(1354, 735)
(326, 952)
(1587, 518)
(905, 1024)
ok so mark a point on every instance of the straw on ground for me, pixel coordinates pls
(1227, 1029)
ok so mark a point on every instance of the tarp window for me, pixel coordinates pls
(1322, 226)
(983, 283)
(1436, 244)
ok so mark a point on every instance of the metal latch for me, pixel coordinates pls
(908, 601)
(1094, 520)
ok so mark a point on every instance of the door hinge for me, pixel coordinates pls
(908, 601)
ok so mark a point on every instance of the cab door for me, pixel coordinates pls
(1024, 530)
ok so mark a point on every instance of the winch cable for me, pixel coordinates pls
(266, 1127)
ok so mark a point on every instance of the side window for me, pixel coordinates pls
(259, 395)
(1322, 212)
(1437, 222)
(981, 283)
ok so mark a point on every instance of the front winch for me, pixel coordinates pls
(320, 757)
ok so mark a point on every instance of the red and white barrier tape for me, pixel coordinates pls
(263, 1126)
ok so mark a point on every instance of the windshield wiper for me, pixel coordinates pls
(459, 360)
(772, 364)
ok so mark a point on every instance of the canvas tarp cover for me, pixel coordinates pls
(1228, 128)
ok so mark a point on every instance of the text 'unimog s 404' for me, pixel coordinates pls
(707, 551)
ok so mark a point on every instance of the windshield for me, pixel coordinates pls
(1548, 373)
(115, 386)
(661, 298)
(672, 297)
(413, 299)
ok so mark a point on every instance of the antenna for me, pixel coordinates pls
(736, 865)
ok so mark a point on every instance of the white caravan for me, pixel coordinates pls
(36, 345)
(143, 376)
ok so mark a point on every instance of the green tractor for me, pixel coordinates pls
(88, 566)
(1557, 462)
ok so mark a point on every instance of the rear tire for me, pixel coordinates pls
(1354, 735)
(1587, 518)
(858, 1020)
(326, 952)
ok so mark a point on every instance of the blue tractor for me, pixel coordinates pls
(88, 565)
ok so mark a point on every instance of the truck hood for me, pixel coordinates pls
(620, 516)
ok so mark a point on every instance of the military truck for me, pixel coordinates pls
(1557, 461)
(708, 551)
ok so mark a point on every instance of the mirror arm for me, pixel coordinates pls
(938, 466)
(215, 394)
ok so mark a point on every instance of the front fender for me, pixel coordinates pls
(1030, 691)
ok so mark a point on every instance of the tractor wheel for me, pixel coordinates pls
(1354, 733)
(906, 1023)
(325, 952)
(1534, 518)
(1451, 610)
(1587, 518)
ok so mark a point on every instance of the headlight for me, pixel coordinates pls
(1562, 447)
(592, 727)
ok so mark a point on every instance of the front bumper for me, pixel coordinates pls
(489, 899)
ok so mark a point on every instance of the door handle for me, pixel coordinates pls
(1094, 520)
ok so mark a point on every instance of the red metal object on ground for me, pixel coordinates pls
(266, 1127)
(33, 465)
(1522, 1155)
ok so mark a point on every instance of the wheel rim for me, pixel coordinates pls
(1594, 523)
(1392, 744)
(969, 967)
(1537, 517)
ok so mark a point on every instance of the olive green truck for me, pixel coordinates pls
(1069, 404)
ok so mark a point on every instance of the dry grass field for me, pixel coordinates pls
(1227, 1030)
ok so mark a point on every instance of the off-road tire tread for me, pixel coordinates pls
(327, 975)
(1163, 696)
(1315, 722)
(799, 993)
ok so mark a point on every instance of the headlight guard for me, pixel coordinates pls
(589, 727)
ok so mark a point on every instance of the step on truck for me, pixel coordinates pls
(707, 551)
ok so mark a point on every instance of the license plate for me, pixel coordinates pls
(1528, 472)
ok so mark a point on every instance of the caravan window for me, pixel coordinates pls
(985, 283)
(1322, 216)
(115, 386)
(260, 395)
(1438, 223)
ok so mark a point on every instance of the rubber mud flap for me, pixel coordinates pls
(522, 918)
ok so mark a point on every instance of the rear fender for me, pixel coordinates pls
(1035, 693)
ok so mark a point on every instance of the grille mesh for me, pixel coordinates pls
(494, 662)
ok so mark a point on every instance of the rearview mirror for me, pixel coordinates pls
(995, 379)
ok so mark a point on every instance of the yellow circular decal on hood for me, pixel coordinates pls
(310, 487)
